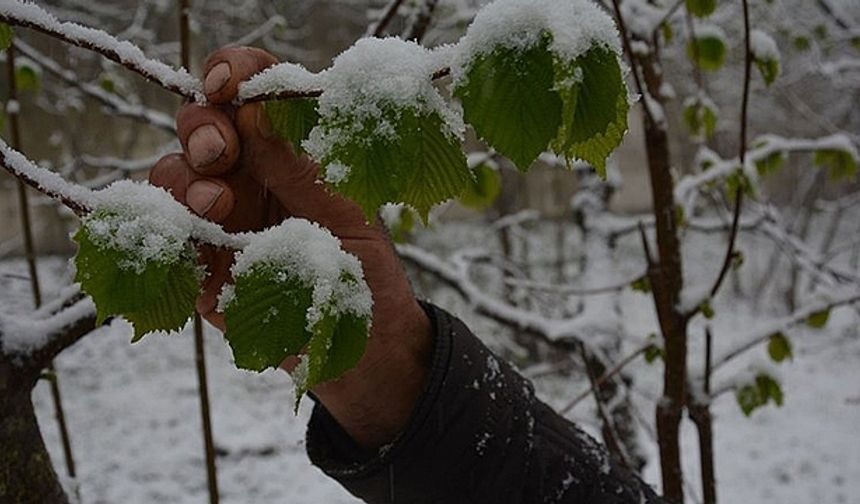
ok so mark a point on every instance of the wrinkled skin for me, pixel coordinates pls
(234, 171)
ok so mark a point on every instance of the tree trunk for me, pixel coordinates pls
(26, 472)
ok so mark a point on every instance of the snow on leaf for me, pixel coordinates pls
(539, 75)
(295, 290)
(157, 294)
(385, 134)
(766, 55)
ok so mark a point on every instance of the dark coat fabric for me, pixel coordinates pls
(477, 435)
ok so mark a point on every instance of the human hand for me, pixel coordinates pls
(235, 171)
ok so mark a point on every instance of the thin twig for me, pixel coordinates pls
(742, 148)
(30, 252)
(622, 28)
(377, 28)
(608, 375)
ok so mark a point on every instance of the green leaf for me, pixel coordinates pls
(509, 98)
(770, 164)
(739, 180)
(779, 347)
(841, 164)
(421, 165)
(701, 8)
(336, 346)
(757, 394)
(401, 224)
(801, 43)
(594, 119)
(707, 51)
(707, 309)
(159, 297)
(642, 284)
(266, 319)
(293, 120)
(6, 35)
(482, 192)
(27, 78)
(818, 319)
(769, 69)
(700, 117)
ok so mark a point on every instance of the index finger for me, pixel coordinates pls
(228, 67)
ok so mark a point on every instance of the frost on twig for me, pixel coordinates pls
(125, 53)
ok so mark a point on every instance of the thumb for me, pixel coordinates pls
(290, 177)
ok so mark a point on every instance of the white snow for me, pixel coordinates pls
(281, 77)
(22, 335)
(575, 26)
(368, 81)
(142, 220)
(19, 12)
(763, 47)
(302, 249)
(711, 31)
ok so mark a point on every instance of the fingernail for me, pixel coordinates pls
(202, 195)
(264, 126)
(217, 78)
(205, 145)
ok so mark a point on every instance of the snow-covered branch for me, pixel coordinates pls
(36, 339)
(123, 52)
(763, 332)
(686, 190)
(554, 331)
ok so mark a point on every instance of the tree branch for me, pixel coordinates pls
(125, 53)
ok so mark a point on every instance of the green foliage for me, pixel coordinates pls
(707, 309)
(641, 284)
(400, 227)
(757, 394)
(708, 52)
(770, 164)
(700, 117)
(654, 351)
(818, 319)
(27, 77)
(267, 321)
(779, 347)
(509, 97)
(483, 190)
(739, 180)
(701, 8)
(595, 108)
(158, 297)
(6, 35)
(801, 43)
(769, 69)
(841, 164)
(420, 166)
(293, 119)
(523, 102)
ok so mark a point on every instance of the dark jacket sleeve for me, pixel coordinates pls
(477, 435)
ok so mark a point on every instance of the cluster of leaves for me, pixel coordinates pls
(522, 102)
(766, 388)
(267, 315)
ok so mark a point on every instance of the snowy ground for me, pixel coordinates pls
(134, 415)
